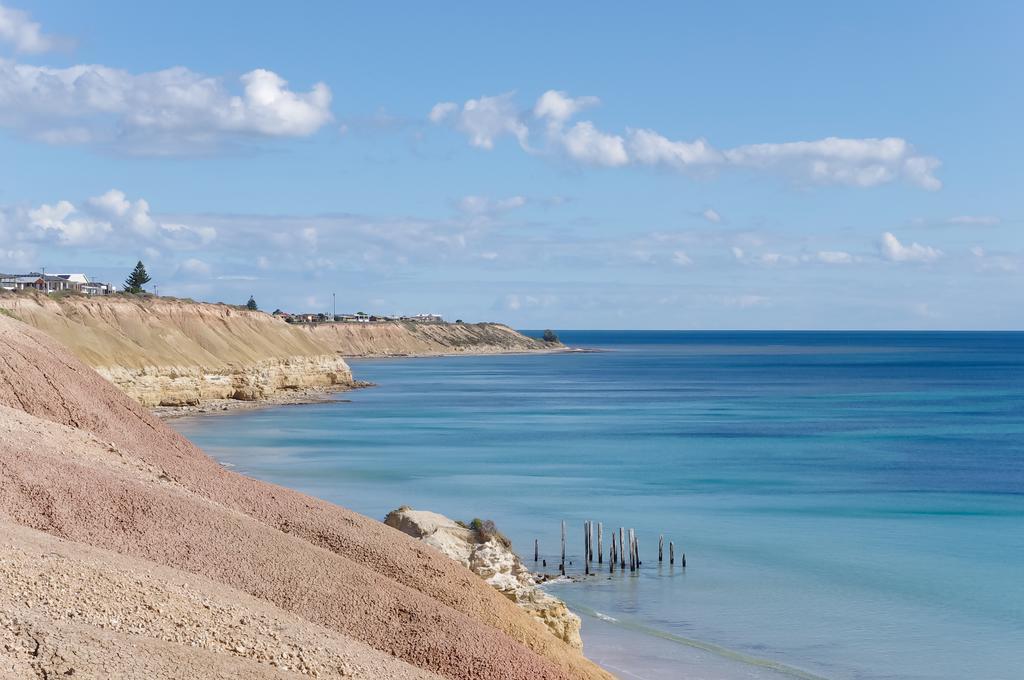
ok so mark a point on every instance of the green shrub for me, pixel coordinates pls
(485, 530)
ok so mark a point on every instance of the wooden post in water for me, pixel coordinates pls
(590, 540)
(536, 549)
(611, 554)
(671, 552)
(636, 549)
(600, 542)
(586, 548)
(684, 560)
(622, 548)
(661, 547)
(561, 566)
(632, 550)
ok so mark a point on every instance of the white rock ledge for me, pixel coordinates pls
(494, 561)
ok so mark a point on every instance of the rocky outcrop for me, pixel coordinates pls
(166, 352)
(194, 385)
(490, 556)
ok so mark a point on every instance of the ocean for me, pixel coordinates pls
(851, 504)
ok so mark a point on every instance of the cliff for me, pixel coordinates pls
(423, 339)
(167, 352)
(125, 551)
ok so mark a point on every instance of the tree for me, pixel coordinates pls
(550, 336)
(251, 304)
(137, 279)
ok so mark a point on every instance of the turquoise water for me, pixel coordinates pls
(851, 505)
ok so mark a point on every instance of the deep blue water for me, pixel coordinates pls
(851, 505)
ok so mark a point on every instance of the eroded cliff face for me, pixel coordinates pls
(424, 339)
(494, 561)
(165, 352)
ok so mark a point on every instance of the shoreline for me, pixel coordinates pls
(319, 395)
(474, 353)
(311, 395)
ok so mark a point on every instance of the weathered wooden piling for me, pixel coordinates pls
(636, 550)
(561, 566)
(536, 549)
(600, 542)
(590, 540)
(586, 547)
(671, 552)
(622, 548)
(684, 559)
(661, 547)
(632, 550)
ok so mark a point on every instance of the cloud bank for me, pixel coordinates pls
(858, 162)
(172, 111)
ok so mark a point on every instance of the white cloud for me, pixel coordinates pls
(744, 301)
(711, 215)
(834, 257)
(857, 162)
(481, 205)
(484, 119)
(134, 216)
(309, 236)
(15, 259)
(558, 107)
(195, 267)
(738, 253)
(864, 162)
(894, 251)
(163, 112)
(649, 148)
(975, 220)
(997, 262)
(681, 259)
(442, 110)
(25, 35)
(69, 227)
(515, 302)
(109, 220)
(585, 143)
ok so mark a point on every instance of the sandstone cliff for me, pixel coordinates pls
(492, 559)
(167, 352)
(164, 352)
(424, 339)
(120, 540)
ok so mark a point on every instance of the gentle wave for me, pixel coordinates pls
(724, 652)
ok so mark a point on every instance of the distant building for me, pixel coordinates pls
(424, 318)
(55, 283)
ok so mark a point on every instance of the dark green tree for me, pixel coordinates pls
(137, 279)
(251, 304)
(550, 336)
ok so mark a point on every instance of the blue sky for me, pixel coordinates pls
(588, 165)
